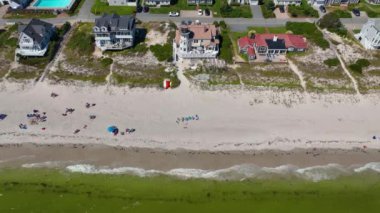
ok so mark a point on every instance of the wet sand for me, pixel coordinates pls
(62, 155)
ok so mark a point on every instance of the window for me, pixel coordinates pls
(195, 41)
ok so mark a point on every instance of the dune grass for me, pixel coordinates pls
(39, 190)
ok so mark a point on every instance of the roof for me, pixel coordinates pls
(35, 29)
(251, 51)
(245, 41)
(266, 39)
(377, 24)
(278, 44)
(114, 22)
(199, 32)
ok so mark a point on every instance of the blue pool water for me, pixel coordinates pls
(52, 3)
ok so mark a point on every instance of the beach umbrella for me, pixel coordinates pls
(111, 129)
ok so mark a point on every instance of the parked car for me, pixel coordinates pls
(356, 12)
(207, 12)
(200, 12)
(139, 9)
(146, 9)
(322, 9)
(173, 14)
(282, 9)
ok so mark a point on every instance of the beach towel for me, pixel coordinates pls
(3, 116)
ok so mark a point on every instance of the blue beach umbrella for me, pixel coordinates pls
(111, 129)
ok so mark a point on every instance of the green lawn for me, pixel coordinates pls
(38, 190)
(340, 13)
(243, 11)
(373, 11)
(100, 7)
(304, 10)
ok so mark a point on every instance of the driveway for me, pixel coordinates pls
(256, 11)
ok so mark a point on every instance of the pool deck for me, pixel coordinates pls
(31, 6)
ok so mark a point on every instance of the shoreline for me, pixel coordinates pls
(29, 155)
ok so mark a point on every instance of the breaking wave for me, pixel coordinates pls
(239, 172)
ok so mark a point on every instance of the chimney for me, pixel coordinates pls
(274, 38)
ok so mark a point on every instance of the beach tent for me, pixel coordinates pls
(3, 116)
(112, 129)
(167, 84)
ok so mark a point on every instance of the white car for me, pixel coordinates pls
(173, 14)
(200, 12)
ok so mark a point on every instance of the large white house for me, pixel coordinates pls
(122, 2)
(157, 2)
(374, 1)
(34, 38)
(369, 35)
(114, 32)
(196, 40)
(16, 4)
(250, 2)
(287, 2)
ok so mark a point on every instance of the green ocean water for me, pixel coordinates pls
(53, 190)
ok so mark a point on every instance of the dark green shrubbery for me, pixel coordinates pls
(331, 62)
(304, 10)
(358, 66)
(332, 23)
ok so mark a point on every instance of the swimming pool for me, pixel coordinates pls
(53, 4)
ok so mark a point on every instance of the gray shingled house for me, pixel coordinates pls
(34, 38)
(114, 32)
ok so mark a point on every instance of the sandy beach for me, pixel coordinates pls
(228, 119)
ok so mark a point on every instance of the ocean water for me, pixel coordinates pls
(238, 172)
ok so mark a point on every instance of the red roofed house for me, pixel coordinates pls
(271, 45)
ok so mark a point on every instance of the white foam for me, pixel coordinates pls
(325, 172)
(373, 166)
(47, 164)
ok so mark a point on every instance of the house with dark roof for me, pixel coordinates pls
(34, 38)
(271, 45)
(114, 32)
(16, 4)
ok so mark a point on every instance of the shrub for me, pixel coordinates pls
(267, 8)
(162, 52)
(304, 10)
(226, 47)
(331, 62)
(106, 62)
(332, 23)
(357, 67)
(363, 62)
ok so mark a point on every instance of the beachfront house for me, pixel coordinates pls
(269, 46)
(250, 2)
(200, 2)
(374, 1)
(122, 2)
(114, 32)
(287, 2)
(34, 38)
(16, 4)
(196, 41)
(333, 2)
(157, 2)
(369, 35)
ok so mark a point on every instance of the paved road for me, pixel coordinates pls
(236, 24)
(256, 11)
